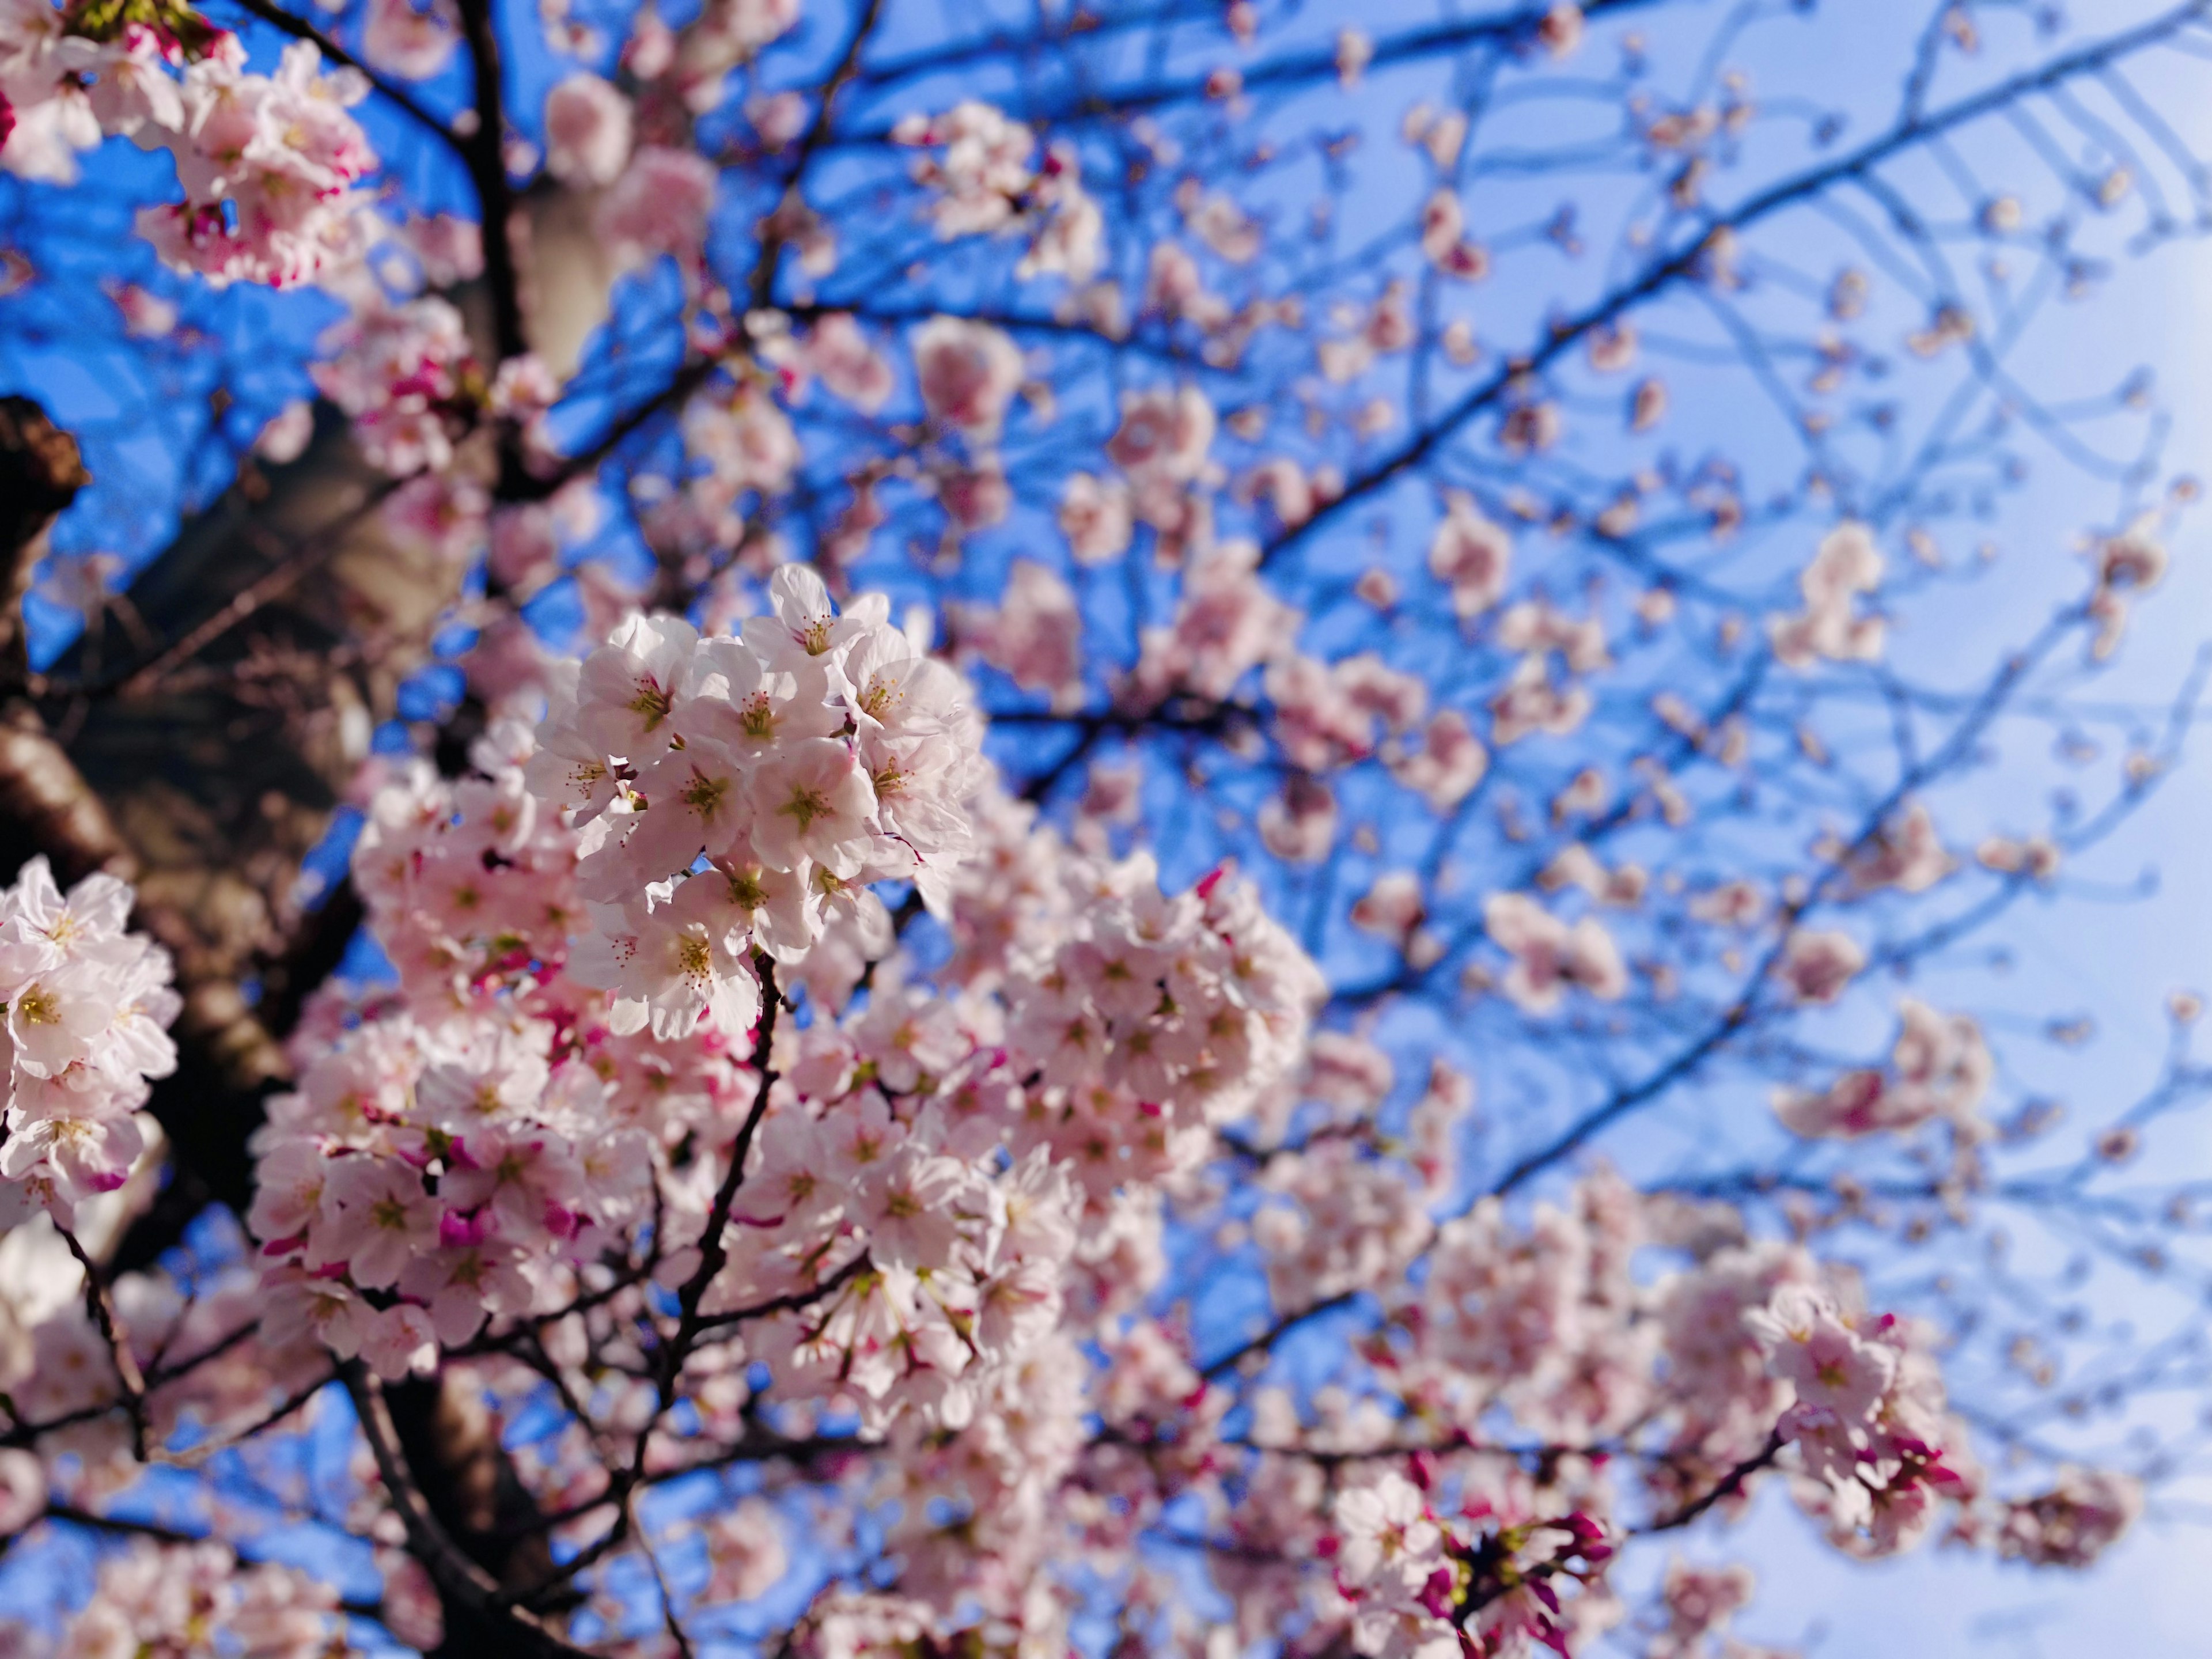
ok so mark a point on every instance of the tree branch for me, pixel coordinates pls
(461, 1583)
(1563, 335)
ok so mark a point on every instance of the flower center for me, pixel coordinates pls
(806, 805)
(704, 795)
(651, 704)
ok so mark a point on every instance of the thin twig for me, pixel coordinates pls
(100, 1306)
(1730, 1484)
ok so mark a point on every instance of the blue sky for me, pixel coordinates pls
(2122, 960)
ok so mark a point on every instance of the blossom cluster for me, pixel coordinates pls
(1846, 565)
(268, 162)
(198, 1369)
(983, 181)
(444, 1155)
(163, 1600)
(817, 755)
(408, 376)
(1550, 955)
(89, 1004)
(1940, 1068)
(1154, 1015)
(578, 932)
(1428, 1586)
(953, 1261)
(2082, 1515)
(1877, 1448)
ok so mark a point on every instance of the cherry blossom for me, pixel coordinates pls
(87, 1005)
(968, 373)
(1817, 964)
(659, 204)
(1550, 955)
(1846, 565)
(2074, 1522)
(415, 43)
(1470, 555)
(587, 130)
(174, 1598)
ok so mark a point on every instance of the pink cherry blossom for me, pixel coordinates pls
(659, 204)
(587, 130)
(968, 373)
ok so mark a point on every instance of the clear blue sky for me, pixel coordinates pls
(2150, 1598)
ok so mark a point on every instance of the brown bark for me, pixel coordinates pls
(450, 1442)
(203, 780)
(40, 473)
(282, 622)
(279, 624)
